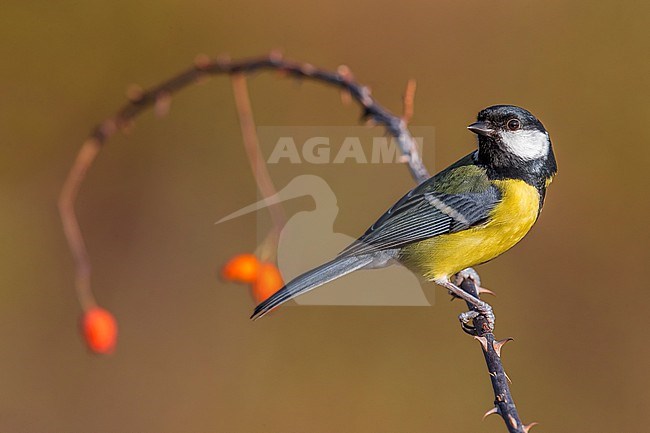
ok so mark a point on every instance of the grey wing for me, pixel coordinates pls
(423, 214)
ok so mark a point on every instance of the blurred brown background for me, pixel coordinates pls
(573, 293)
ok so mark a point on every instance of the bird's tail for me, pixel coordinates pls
(310, 280)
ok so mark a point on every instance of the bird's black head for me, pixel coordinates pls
(513, 143)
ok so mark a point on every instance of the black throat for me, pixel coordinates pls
(502, 165)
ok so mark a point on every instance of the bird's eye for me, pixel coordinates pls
(513, 124)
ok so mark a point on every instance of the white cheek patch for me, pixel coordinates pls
(526, 144)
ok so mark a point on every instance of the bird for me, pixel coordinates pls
(468, 214)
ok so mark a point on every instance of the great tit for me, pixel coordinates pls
(468, 214)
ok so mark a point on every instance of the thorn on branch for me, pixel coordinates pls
(308, 69)
(345, 73)
(483, 342)
(202, 62)
(276, 56)
(527, 427)
(404, 159)
(512, 420)
(134, 93)
(482, 290)
(492, 411)
(163, 104)
(499, 344)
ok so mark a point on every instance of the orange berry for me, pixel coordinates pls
(100, 330)
(268, 282)
(242, 268)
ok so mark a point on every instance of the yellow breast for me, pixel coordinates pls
(445, 255)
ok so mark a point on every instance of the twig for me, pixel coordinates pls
(82, 163)
(268, 247)
(408, 101)
(159, 98)
(504, 405)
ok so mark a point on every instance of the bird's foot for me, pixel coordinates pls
(470, 274)
(485, 310)
(482, 309)
(479, 308)
(466, 321)
(467, 273)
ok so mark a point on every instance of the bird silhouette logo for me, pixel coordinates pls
(308, 240)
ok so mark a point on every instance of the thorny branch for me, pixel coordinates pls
(159, 97)
(504, 405)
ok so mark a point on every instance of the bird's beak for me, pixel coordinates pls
(481, 128)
